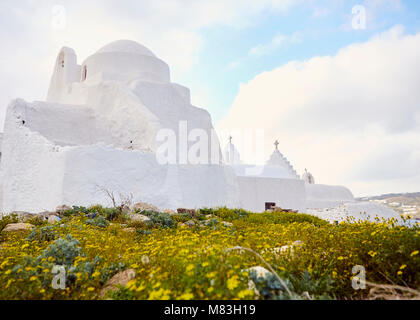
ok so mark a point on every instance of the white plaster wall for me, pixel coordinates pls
(63, 77)
(286, 193)
(92, 168)
(265, 171)
(325, 196)
(31, 167)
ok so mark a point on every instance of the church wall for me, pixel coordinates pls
(31, 167)
(325, 196)
(286, 193)
(92, 168)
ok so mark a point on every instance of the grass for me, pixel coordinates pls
(209, 260)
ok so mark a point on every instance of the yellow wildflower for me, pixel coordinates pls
(186, 296)
(232, 283)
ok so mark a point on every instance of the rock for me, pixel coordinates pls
(291, 248)
(169, 211)
(23, 215)
(62, 208)
(53, 219)
(15, 227)
(227, 224)
(209, 216)
(131, 230)
(260, 272)
(121, 278)
(45, 215)
(191, 212)
(190, 223)
(143, 206)
(278, 209)
(210, 221)
(139, 217)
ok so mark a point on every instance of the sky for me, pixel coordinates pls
(339, 93)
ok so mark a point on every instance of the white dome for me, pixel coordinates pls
(126, 46)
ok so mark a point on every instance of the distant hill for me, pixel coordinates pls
(391, 195)
(404, 203)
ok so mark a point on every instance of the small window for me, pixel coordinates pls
(84, 73)
(269, 205)
(61, 59)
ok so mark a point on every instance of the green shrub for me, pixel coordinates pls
(160, 219)
(37, 221)
(76, 210)
(64, 251)
(98, 221)
(284, 218)
(41, 234)
(225, 213)
(181, 217)
(109, 271)
(6, 219)
(142, 232)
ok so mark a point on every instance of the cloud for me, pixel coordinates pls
(277, 42)
(171, 29)
(352, 118)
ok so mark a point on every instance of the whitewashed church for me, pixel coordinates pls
(97, 130)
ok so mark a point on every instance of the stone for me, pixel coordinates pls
(260, 272)
(191, 212)
(16, 227)
(227, 224)
(62, 208)
(121, 278)
(23, 215)
(139, 217)
(190, 223)
(288, 249)
(53, 219)
(131, 230)
(169, 211)
(143, 206)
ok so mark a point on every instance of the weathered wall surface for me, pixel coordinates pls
(286, 193)
(31, 168)
(91, 169)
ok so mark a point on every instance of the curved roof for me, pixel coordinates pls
(127, 46)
